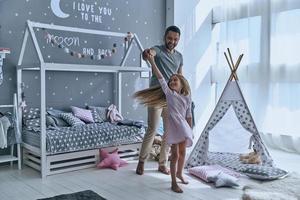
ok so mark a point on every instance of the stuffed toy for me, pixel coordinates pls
(155, 151)
(113, 114)
(251, 158)
(110, 160)
(156, 148)
(157, 140)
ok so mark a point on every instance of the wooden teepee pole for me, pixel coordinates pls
(227, 60)
(233, 67)
(229, 53)
(237, 64)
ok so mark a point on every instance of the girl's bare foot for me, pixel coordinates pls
(163, 169)
(176, 188)
(140, 168)
(182, 179)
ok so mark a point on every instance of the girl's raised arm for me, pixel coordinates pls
(161, 79)
(155, 70)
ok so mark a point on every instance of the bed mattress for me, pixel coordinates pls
(89, 136)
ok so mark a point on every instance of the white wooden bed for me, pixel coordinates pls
(38, 157)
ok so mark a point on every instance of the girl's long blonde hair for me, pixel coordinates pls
(155, 97)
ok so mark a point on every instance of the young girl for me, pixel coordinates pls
(179, 132)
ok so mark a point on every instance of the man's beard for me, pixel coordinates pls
(170, 46)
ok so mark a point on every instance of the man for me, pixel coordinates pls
(169, 61)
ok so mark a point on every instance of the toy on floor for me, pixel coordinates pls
(156, 148)
(251, 158)
(155, 151)
(110, 160)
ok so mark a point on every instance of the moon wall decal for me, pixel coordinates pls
(55, 7)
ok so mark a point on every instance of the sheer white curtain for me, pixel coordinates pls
(267, 32)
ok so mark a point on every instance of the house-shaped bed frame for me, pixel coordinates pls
(37, 157)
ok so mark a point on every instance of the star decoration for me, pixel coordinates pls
(110, 160)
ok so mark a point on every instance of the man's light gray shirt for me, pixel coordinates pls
(167, 63)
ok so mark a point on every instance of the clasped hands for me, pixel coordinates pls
(149, 54)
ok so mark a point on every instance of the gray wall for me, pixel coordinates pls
(145, 18)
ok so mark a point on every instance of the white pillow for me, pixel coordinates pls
(220, 176)
(224, 180)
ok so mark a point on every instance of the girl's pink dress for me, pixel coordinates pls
(179, 108)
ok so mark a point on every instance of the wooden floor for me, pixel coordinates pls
(123, 184)
(114, 185)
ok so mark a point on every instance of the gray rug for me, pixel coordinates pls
(282, 189)
(83, 195)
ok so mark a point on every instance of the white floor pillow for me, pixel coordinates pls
(220, 176)
(223, 180)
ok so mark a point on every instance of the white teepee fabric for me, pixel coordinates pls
(231, 96)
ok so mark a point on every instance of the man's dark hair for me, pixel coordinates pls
(173, 29)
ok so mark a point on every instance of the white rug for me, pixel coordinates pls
(283, 189)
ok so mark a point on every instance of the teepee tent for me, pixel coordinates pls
(231, 97)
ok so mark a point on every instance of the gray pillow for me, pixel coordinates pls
(60, 122)
(54, 112)
(261, 172)
(33, 124)
(50, 121)
(99, 113)
(55, 115)
(31, 113)
(71, 119)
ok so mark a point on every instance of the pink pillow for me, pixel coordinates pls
(83, 114)
(110, 160)
(205, 171)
